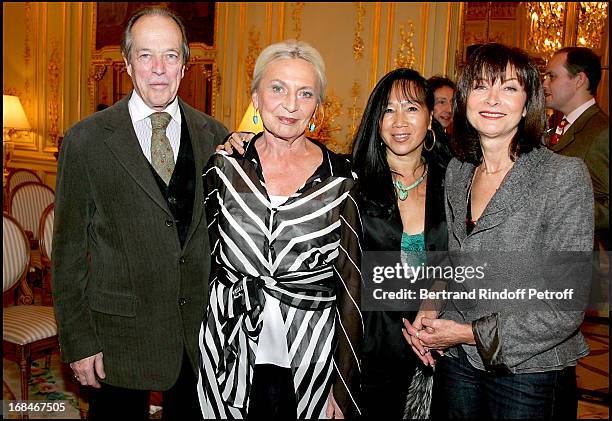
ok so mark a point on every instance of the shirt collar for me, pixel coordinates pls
(141, 111)
(573, 116)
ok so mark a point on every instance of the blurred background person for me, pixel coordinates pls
(443, 91)
(507, 193)
(572, 77)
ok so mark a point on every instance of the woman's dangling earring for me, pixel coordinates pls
(433, 134)
(255, 119)
(312, 126)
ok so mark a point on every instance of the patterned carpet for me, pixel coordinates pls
(47, 384)
(593, 372)
(56, 382)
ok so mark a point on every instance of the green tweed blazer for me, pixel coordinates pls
(588, 138)
(122, 283)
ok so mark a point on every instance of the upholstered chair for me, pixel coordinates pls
(26, 204)
(20, 176)
(45, 240)
(29, 332)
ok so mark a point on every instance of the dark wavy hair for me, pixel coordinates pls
(369, 151)
(489, 62)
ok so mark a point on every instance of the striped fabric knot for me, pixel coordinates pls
(245, 300)
(162, 157)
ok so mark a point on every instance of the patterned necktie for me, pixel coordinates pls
(162, 157)
(556, 136)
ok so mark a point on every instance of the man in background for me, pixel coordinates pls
(572, 77)
(131, 256)
(443, 90)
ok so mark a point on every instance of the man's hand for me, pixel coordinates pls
(85, 370)
(333, 410)
(236, 141)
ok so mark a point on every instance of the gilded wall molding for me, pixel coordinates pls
(212, 75)
(354, 112)
(269, 10)
(281, 20)
(424, 33)
(326, 120)
(405, 56)
(223, 70)
(358, 45)
(389, 42)
(27, 54)
(53, 78)
(296, 15)
(254, 48)
(375, 44)
(13, 92)
(97, 70)
(239, 106)
(216, 86)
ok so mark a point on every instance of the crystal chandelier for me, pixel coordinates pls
(547, 26)
(591, 20)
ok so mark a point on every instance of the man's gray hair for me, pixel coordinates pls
(127, 41)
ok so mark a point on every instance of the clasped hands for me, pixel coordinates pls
(428, 333)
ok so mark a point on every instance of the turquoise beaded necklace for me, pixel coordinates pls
(402, 190)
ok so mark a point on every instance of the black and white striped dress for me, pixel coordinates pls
(305, 254)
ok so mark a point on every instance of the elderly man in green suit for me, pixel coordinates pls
(131, 255)
(572, 77)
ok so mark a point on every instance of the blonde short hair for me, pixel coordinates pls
(290, 49)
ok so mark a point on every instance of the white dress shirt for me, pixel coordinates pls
(272, 346)
(140, 112)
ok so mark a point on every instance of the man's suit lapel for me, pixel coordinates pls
(203, 147)
(123, 142)
(578, 125)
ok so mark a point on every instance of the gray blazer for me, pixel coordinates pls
(122, 284)
(545, 204)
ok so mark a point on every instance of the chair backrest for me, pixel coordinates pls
(45, 231)
(20, 176)
(15, 252)
(27, 203)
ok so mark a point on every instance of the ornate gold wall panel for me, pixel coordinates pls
(296, 16)
(358, 45)
(60, 86)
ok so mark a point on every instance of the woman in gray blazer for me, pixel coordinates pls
(507, 195)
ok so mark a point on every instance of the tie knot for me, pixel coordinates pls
(160, 120)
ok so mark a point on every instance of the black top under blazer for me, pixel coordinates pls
(384, 345)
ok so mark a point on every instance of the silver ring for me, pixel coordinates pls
(417, 334)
